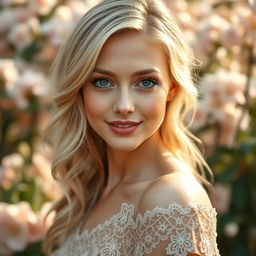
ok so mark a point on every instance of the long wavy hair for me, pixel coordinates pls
(79, 154)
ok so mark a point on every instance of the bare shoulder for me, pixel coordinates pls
(178, 187)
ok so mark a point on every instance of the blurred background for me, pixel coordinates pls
(223, 36)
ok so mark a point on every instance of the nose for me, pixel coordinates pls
(124, 102)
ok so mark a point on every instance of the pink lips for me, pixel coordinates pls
(123, 127)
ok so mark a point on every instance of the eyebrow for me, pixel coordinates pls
(140, 72)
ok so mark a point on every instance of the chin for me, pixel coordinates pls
(123, 146)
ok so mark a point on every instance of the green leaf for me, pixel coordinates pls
(29, 52)
(240, 193)
(228, 174)
(239, 250)
(34, 249)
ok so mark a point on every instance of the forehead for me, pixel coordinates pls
(132, 48)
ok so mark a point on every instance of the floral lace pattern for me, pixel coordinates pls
(179, 229)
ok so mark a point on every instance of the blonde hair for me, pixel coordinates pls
(79, 160)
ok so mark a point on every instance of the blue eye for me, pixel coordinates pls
(101, 82)
(147, 83)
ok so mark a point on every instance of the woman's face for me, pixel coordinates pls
(125, 97)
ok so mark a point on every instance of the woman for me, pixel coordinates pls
(122, 154)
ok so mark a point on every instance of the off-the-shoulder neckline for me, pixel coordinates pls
(85, 232)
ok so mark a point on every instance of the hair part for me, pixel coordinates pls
(79, 161)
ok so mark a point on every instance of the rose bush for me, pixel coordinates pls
(223, 36)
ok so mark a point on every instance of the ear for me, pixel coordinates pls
(172, 91)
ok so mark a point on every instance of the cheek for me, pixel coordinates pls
(95, 106)
(155, 107)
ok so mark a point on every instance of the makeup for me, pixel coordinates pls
(125, 101)
(123, 127)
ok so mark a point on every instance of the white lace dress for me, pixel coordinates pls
(179, 230)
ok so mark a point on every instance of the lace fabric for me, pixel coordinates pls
(178, 230)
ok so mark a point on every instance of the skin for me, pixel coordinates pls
(125, 98)
(141, 171)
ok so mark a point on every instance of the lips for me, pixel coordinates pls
(123, 127)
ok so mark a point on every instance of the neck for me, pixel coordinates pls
(137, 165)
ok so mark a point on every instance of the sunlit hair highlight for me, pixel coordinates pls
(79, 159)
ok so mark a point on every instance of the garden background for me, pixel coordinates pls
(223, 36)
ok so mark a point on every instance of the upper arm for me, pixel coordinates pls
(175, 217)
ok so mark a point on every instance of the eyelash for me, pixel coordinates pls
(152, 80)
(94, 82)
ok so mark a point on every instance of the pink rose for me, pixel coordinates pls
(234, 35)
(228, 127)
(13, 161)
(231, 229)
(58, 28)
(210, 30)
(20, 36)
(8, 168)
(42, 7)
(252, 4)
(177, 6)
(223, 87)
(19, 227)
(8, 72)
(14, 231)
(200, 9)
(12, 2)
(78, 8)
(7, 19)
(7, 176)
(29, 82)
